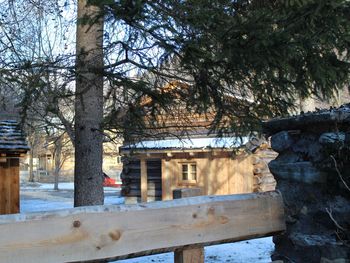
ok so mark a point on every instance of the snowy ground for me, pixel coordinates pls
(41, 197)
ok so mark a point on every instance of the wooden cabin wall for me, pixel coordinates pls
(131, 179)
(215, 176)
(9, 186)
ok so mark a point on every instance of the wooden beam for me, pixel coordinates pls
(191, 255)
(144, 185)
(116, 232)
(166, 181)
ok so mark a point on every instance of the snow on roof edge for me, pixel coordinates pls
(193, 143)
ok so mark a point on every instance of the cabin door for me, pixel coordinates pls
(154, 179)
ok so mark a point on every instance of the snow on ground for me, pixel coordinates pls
(37, 197)
(251, 251)
(61, 186)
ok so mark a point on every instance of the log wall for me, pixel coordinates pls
(218, 173)
(132, 180)
(263, 179)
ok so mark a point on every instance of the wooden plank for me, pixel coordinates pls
(9, 186)
(166, 181)
(144, 190)
(191, 255)
(15, 198)
(242, 179)
(116, 232)
(3, 167)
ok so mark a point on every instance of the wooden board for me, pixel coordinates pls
(9, 186)
(191, 255)
(144, 187)
(115, 232)
(166, 181)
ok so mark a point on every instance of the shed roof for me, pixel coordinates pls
(188, 144)
(11, 137)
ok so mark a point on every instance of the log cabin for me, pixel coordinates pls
(13, 146)
(218, 166)
(179, 153)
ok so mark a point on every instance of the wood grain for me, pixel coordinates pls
(9, 186)
(116, 232)
(190, 255)
(144, 187)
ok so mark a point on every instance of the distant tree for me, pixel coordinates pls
(61, 150)
(33, 136)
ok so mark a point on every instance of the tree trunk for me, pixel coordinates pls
(88, 177)
(57, 158)
(31, 164)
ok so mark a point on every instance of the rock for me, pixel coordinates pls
(312, 240)
(303, 172)
(329, 138)
(347, 138)
(338, 260)
(291, 220)
(304, 210)
(289, 157)
(308, 147)
(317, 205)
(281, 141)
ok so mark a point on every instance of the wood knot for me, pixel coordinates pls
(211, 211)
(76, 223)
(115, 235)
(223, 220)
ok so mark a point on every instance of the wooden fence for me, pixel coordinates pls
(117, 232)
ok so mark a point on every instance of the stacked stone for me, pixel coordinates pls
(317, 202)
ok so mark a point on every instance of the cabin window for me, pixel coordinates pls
(189, 172)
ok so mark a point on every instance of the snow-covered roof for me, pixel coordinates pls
(11, 137)
(190, 143)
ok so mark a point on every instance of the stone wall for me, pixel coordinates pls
(312, 171)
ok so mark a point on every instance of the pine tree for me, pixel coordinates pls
(267, 54)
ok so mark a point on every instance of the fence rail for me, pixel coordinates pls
(116, 232)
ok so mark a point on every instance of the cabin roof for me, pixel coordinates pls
(11, 137)
(308, 120)
(188, 144)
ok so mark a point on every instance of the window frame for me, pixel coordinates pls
(192, 178)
